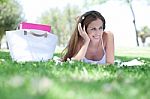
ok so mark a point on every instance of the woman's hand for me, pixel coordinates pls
(83, 33)
(82, 52)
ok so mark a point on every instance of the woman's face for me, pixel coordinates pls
(95, 30)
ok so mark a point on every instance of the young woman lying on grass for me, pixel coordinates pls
(89, 42)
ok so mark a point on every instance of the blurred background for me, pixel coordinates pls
(127, 19)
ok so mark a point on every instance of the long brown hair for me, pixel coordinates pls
(73, 45)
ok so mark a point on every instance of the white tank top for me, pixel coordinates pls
(102, 61)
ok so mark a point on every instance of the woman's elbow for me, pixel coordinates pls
(76, 58)
(110, 62)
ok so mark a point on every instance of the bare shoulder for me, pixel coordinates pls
(108, 35)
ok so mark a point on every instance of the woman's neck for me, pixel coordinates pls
(95, 44)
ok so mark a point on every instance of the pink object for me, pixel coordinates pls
(25, 25)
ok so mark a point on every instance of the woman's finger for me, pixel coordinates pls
(80, 29)
(82, 32)
(84, 28)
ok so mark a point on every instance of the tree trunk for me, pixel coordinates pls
(136, 31)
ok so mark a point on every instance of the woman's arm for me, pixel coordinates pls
(81, 54)
(110, 48)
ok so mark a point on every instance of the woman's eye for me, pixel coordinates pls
(93, 29)
(101, 28)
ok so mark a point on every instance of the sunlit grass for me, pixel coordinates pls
(133, 52)
(75, 80)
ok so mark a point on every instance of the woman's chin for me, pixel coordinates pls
(95, 39)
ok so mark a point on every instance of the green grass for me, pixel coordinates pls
(77, 80)
(133, 52)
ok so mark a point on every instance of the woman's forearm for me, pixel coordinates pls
(82, 52)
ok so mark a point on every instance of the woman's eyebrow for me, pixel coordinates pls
(95, 27)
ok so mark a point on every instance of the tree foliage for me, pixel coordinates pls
(93, 2)
(61, 21)
(144, 33)
(10, 16)
(2, 1)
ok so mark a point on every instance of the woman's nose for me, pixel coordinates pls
(98, 32)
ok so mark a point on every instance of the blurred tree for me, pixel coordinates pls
(2, 1)
(88, 3)
(136, 31)
(61, 21)
(52, 17)
(70, 14)
(129, 2)
(144, 33)
(10, 16)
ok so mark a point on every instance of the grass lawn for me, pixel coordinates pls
(133, 52)
(76, 80)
